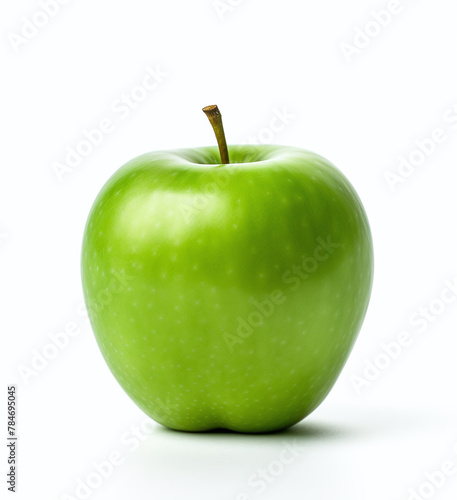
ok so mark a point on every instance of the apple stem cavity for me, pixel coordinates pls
(215, 118)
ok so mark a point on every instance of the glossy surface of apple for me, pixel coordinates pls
(227, 296)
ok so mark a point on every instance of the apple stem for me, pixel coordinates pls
(215, 118)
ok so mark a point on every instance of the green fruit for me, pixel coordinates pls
(227, 296)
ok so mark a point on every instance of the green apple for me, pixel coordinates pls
(227, 295)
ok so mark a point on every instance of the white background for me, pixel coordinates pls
(254, 59)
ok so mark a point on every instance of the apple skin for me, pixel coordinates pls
(227, 296)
